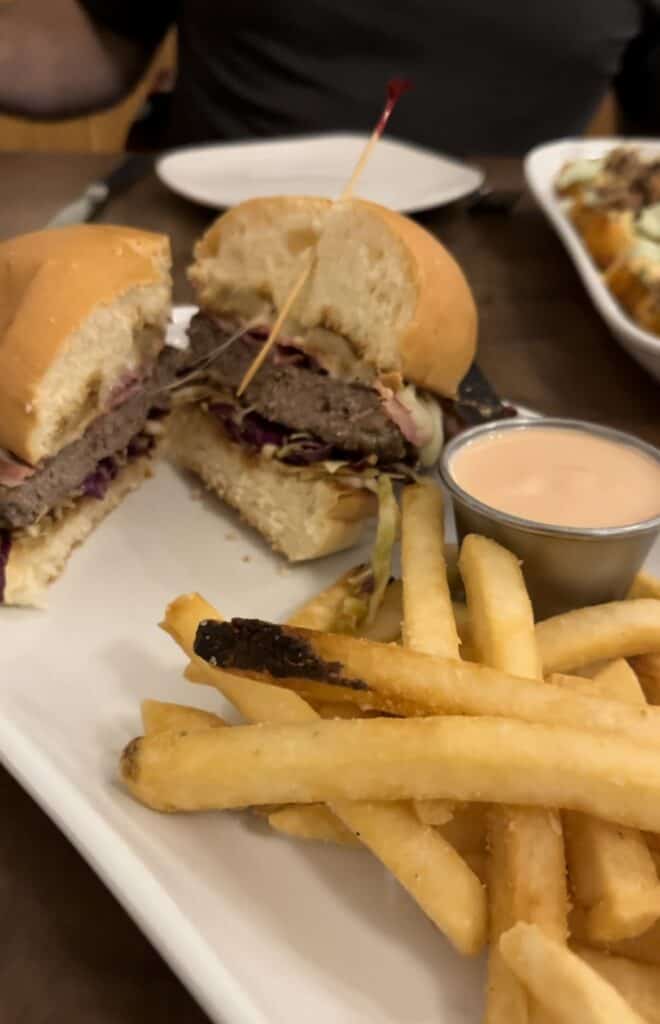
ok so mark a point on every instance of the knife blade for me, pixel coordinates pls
(96, 195)
(477, 402)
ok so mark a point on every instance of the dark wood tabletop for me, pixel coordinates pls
(70, 953)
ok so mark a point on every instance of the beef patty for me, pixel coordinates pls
(345, 415)
(61, 476)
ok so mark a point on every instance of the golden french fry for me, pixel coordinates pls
(439, 880)
(612, 872)
(428, 618)
(466, 831)
(411, 681)
(647, 668)
(478, 862)
(616, 681)
(564, 985)
(499, 609)
(340, 710)
(312, 821)
(492, 760)
(527, 875)
(616, 630)
(639, 984)
(434, 812)
(321, 611)
(644, 948)
(386, 624)
(158, 715)
(644, 585)
(462, 620)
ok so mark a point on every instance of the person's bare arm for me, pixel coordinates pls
(55, 62)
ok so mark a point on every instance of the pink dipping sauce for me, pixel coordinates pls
(560, 477)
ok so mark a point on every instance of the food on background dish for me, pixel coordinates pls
(614, 203)
(384, 325)
(528, 741)
(560, 477)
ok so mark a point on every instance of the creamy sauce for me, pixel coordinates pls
(560, 476)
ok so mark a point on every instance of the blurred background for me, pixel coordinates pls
(137, 123)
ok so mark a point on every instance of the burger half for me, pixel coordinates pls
(83, 376)
(384, 327)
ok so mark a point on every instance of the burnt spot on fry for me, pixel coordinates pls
(253, 645)
(129, 759)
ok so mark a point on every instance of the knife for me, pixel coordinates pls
(97, 194)
(476, 402)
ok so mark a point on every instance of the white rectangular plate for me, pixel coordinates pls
(262, 929)
(399, 175)
(541, 168)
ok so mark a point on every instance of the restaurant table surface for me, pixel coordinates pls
(70, 953)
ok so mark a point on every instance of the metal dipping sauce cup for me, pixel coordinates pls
(565, 567)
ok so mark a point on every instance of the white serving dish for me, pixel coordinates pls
(261, 929)
(399, 175)
(542, 165)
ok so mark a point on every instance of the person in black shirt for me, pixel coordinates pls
(489, 77)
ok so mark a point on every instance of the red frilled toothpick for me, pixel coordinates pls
(395, 89)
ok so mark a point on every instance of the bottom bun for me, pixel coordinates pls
(35, 561)
(301, 517)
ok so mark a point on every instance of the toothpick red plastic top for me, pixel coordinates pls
(395, 89)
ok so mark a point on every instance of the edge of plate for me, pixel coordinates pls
(477, 174)
(123, 872)
(538, 180)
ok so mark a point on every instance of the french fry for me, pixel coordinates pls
(324, 610)
(435, 812)
(527, 873)
(466, 830)
(462, 620)
(418, 683)
(639, 984)
(612, 872)
(647, 668)
(644, 585)
(564, 985)
(386, 625)
(312, 821)
(428, 618)
(321, 611)
(643, 948)
(616, 630)
(338, 710)
(617, 681)
(426, 865)
(499, 609)
(158, 715)
(491, 760)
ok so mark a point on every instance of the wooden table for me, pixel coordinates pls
(69, 953)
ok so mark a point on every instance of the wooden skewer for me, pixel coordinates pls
(395, 88)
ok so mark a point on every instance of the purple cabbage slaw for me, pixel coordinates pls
(96, 484)
(253, 430)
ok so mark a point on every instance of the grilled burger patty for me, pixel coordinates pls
(347, 416)
(62, 475)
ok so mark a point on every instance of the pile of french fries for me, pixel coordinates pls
(507, 773)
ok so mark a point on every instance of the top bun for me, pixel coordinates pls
(378, 279)
(81, 309)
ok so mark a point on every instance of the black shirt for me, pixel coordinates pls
(493, 76)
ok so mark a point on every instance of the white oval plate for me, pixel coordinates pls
(541, 168)
(399, 175)
(262, 929)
